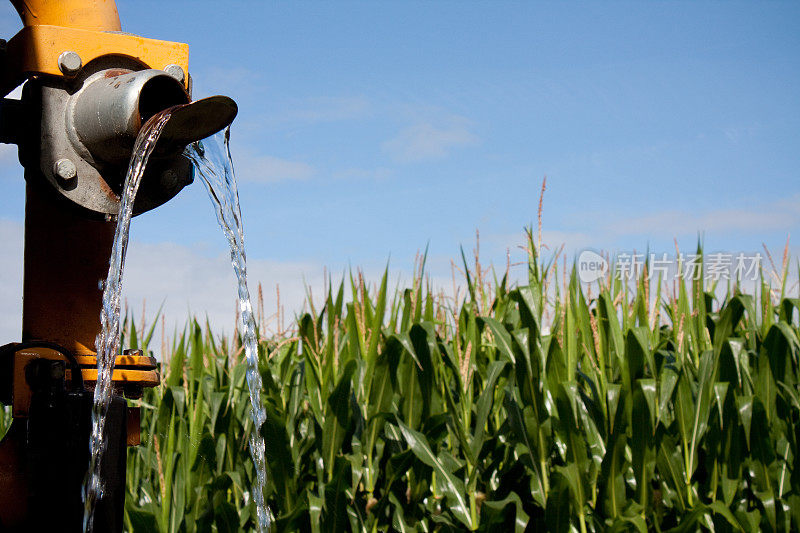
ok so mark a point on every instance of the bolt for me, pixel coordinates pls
(57, 371)
(69, 63)
(65, 169)
(176, 72)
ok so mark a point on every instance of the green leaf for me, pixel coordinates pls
(635, 352)
(648, 387)
(336, 502)
(423, 339)
(670, 466)
(612, 480)
(141, 521)
(557, 512)
(337, 418)
(502, 338)
(484, 404)
(642, 439)
(720, 391)
(745, 407)
(494, 514)
(666, 387)
(692, 520)
(453, 488)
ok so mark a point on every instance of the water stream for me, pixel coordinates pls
(107, 342)
(212, 159)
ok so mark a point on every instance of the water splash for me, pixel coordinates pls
(212, 159)
(107, 342)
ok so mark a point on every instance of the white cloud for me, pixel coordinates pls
(606, 231)
(269, 169)
(189, 281)
(430, 140)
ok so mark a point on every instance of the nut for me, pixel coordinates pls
(65, 169)
(69, 63)
(176, 72)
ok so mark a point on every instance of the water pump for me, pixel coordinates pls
(88, 89)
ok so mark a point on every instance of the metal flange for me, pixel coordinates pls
(88, 127)
(132, 373)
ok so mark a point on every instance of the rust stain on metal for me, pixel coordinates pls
(105, 188)
(114, 72)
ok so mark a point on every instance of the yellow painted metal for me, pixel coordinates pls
(144, 378)
(142, 362)
(85, 27)
(130, 370)
(65, 254)
(86, 14)
(35, 50)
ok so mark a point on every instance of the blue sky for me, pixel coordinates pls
(368, 130)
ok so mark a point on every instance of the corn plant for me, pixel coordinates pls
(515, 407)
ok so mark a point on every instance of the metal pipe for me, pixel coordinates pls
(80, 14)
(109, 111)
(66, 258)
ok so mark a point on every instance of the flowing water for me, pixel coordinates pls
(212, 159)
(107, 342)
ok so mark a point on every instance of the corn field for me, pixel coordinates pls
(646, 406)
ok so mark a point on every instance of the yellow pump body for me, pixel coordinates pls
(89, 88)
